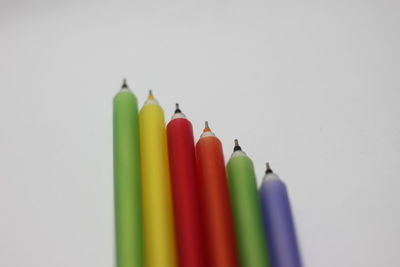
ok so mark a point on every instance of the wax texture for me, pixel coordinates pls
(186, 204)
(248, 219)
(278, 222)
(159, 236)
(127, 185)
(215, 204)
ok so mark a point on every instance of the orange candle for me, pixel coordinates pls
(215, 202)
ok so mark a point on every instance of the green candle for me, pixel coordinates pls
(246, 210)
(127, 194)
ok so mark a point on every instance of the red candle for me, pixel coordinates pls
(186, 204)
(215, 202)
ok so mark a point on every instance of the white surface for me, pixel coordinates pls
(312, 87)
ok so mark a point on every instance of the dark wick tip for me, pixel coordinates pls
(268, 168)
(236, 147)
(124, 84)
(177, 109)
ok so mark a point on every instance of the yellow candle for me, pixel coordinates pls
(159, 236)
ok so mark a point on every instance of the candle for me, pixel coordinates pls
(127, 197)
(159, 236)
(182, 162)
(215, 202)
(248, 220)
(278, 221)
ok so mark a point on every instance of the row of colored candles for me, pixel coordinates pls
(176, 204)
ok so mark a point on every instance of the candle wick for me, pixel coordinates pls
(237, 146)
(124, 84)
(268, 168)
(177, 109)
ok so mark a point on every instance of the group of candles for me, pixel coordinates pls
(177, 205)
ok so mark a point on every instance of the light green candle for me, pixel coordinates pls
(127, 185)
(246, 210)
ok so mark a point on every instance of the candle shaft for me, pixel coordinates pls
(278, 221)
(159, 233)
(127, 195)
(185, 195)
(250, 233)
(215, 202)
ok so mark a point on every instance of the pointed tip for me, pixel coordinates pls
(237, 146)
(206, 127)
(207, 131)
(150, 94)
(177, 109)
(268, 168)
(124, 83)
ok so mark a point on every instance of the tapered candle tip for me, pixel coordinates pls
(268, 168)
(150, 94)
(237, 146)
(124, 84)
(177, 109)
(206, 127)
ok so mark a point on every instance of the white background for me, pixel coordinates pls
(312, 87)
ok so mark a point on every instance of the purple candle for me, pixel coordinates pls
(278, 222)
